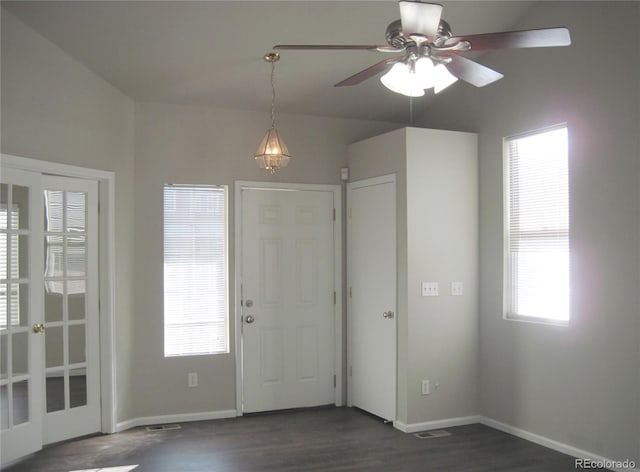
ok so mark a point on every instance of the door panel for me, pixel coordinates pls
(20, 346)
(372, 299)
(287, 285)
(72, 377)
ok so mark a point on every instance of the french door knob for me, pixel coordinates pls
(249, 319)
(38, 328)
(388, 314)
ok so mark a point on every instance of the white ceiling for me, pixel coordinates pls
(210, 52)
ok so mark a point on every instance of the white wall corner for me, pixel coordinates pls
(179, 418)
(555, 445)
(437, 424)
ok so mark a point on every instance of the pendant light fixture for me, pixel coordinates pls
(272, 154)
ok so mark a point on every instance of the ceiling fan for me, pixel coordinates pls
(430, 53)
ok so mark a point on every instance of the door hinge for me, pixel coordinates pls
(349, 212)
(350, 293)
(334, 298)
(334, 214)
(335, 380)
(350, 371)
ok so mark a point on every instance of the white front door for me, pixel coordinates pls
(371, 234)
(49, 334)
(287, 274)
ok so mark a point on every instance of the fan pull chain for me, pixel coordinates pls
(410, 110)
(273, 96)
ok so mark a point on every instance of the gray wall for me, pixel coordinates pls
(577, 385)
(54, 109)
(437, 238)
(442, 246)
(194, 145)
(374, 157)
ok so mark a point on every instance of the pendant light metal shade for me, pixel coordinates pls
(272, 154)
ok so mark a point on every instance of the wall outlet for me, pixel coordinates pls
(430, 289)
(426, 390)
(193, 379)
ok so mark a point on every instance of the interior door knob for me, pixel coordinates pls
(249, 319)
(388, 314)
(38, 328)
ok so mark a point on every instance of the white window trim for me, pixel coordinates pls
(225, 189)
(507, 275)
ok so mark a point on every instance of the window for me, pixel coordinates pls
(195, 270)
(537, 226)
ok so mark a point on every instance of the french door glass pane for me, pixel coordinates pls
(19, 218)
(20, 402)
(77, 388)
(55, 391)
(54, 349)
(53, 200)
(77, 299)
(75, 212)
(4, 202)
(52, 305)
(76, 256)
(20, 353)
(4, 406)
(4, 355)
(77, 347)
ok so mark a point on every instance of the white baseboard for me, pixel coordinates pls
(552, 444)
(437, 424)
(183, 417)
(520, 433)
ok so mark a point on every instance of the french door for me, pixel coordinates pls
(21, 350)
(49, 334)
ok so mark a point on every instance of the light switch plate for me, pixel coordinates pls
(430, 289)
(456, 288)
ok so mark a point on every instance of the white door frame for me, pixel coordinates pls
(337, 276)
(106, 202)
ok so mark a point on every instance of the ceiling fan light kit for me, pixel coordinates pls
(431, 54)
(272, 153)
(414, 78)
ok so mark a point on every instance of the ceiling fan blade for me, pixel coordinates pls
(420, 18)
(330, 47)
(539, 38)
(472, 72)
(368, 72)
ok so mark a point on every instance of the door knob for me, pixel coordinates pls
(38, 328)
(388, 314)
(249, 319)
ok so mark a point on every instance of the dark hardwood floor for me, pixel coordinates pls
(322, 439)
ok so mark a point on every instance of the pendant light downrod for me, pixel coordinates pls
(272, 154)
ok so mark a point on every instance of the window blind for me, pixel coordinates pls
(537, 216)
(195, 270)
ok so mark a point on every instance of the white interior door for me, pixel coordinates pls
(287, 273)
(49, 323)
(371, 234)
(20, 309)
(70, 299)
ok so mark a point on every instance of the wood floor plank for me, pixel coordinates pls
(325, 439)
